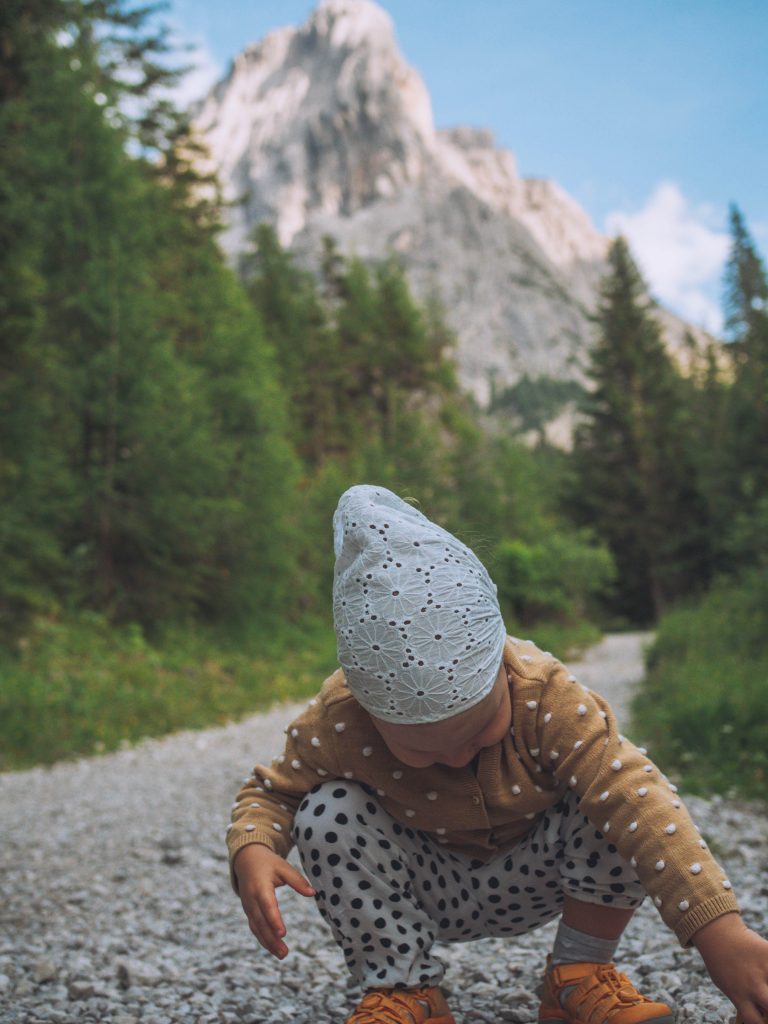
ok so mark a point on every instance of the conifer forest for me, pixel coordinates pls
(175, 433)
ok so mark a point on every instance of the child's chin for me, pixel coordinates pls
(455, 764)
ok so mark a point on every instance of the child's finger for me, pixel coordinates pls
(267, 904)
(266, 935)
(296, 880)
(751, 1013)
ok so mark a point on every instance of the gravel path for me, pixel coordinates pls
(115, 904)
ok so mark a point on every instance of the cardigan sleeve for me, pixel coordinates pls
(627, 798)
(265, 806)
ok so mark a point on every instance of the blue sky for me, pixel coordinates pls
(652, 114)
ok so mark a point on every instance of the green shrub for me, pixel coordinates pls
(555, 579)
(704, 704)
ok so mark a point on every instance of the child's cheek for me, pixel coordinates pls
(410, 759)
(413, 761)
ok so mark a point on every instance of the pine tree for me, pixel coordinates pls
(250, 473)
(634, 476)
(357, 353)
(297, 325)
(746, 286)
(36, 482)
(744, 465)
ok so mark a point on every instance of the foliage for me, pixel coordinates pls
(83, 685)
(535, 401)
(745, 286)
(556, 579)
(740, 456)
(704, 704)
(145, 470)
(634, 473)
(361, 360)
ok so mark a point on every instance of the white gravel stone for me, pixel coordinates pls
(80, 989)
(136, 972)
(44, 970)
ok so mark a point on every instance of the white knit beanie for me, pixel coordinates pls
(418, 625)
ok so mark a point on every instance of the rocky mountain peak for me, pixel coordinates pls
(353, 24)
(325, 118)
(324, 129)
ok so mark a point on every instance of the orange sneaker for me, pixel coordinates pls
(596, 994)
(402, 1006)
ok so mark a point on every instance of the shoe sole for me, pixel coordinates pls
(666, 1019)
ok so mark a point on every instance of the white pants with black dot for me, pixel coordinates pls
(389, 891)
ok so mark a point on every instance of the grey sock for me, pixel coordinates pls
(573, 947)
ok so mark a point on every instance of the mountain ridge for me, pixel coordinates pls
(325, 129)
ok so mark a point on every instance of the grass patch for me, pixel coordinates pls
(82, 686)
(567, 641)
(704, 703)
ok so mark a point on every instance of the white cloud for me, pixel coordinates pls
(680, 249)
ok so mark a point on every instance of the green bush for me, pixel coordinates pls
(704, 704)
(554, 579)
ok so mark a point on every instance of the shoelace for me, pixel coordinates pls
(620, 984)
(615, 991)
(388, 1006)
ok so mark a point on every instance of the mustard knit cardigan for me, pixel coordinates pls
(563, 736)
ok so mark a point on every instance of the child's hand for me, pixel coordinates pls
(259, 872)
(737, 961)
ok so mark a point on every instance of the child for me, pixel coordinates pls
(450, 782)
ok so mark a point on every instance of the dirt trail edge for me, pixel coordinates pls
(115, 903)
(614, 668)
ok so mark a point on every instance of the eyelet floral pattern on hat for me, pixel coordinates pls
(419, 630)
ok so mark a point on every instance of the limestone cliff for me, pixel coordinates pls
(324, 129)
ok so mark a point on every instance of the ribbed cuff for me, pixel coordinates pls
(703, 914)
(246, 839)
